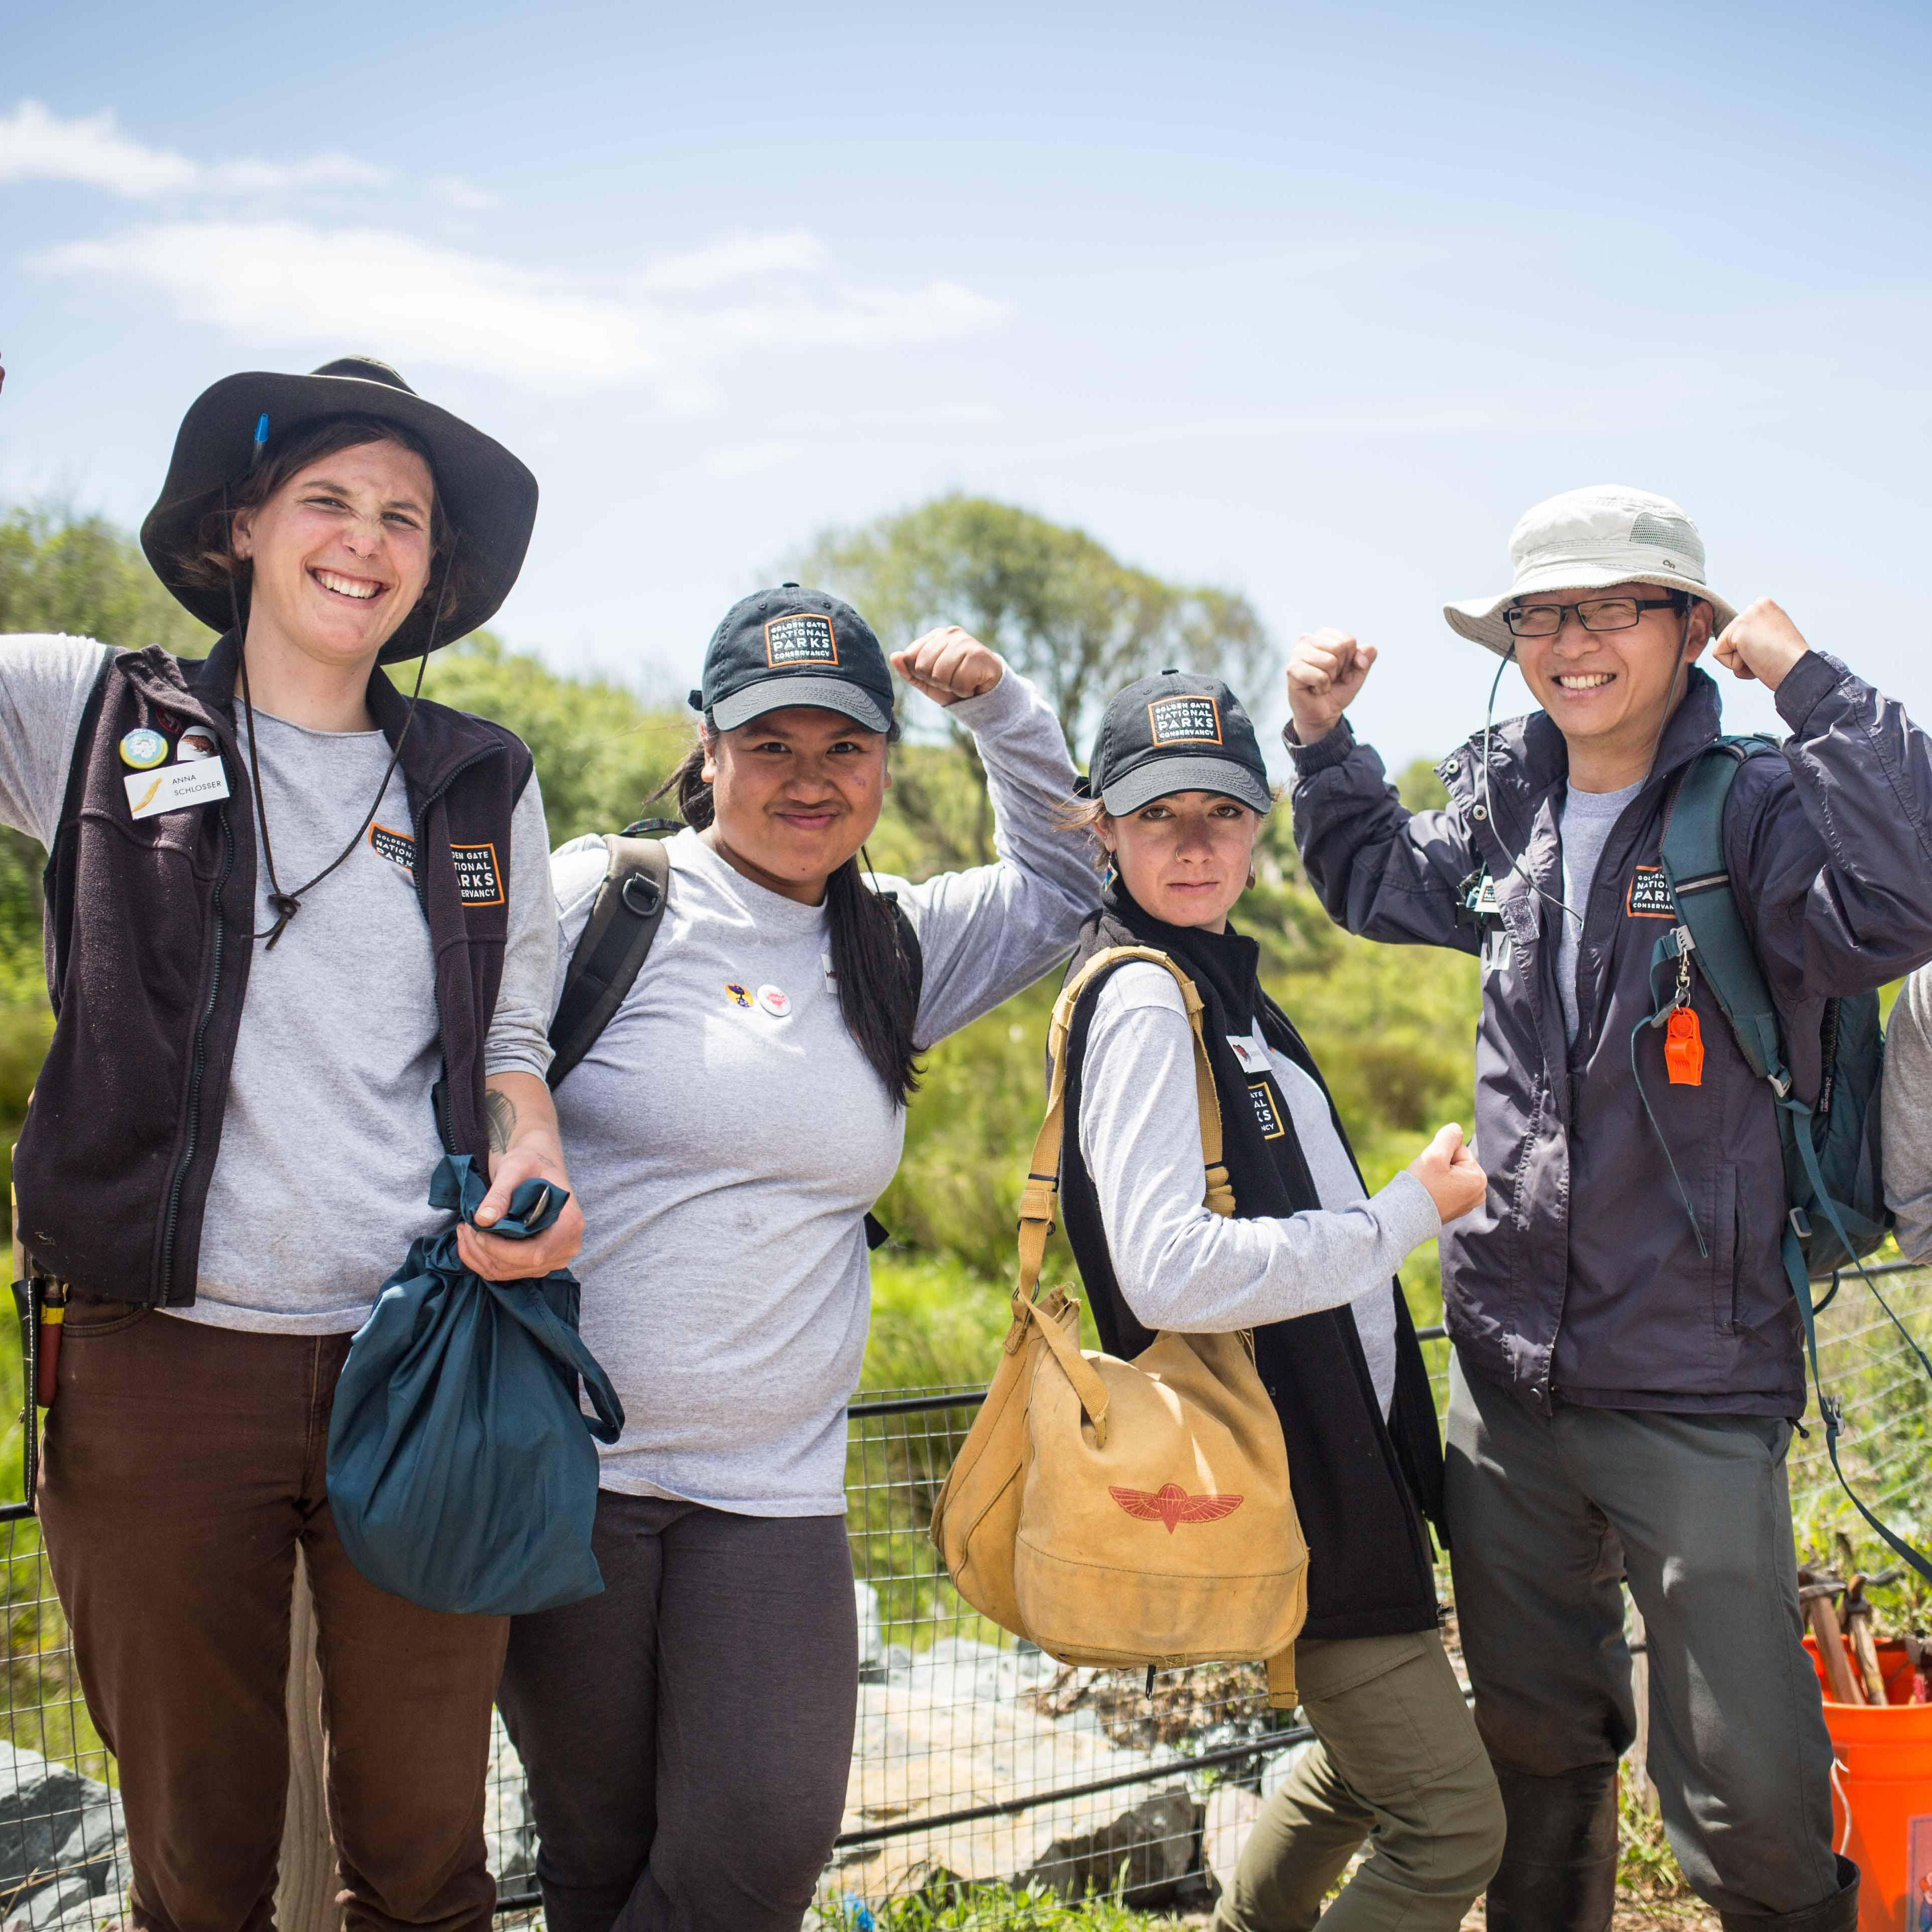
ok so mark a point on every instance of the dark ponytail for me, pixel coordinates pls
(874, 976)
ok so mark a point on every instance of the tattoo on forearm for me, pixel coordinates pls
(503, 1112)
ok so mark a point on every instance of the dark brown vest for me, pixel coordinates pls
(149, 939)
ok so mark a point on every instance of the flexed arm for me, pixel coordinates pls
(1380, 869)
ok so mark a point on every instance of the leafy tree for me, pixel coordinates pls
(82, 576)
(1050, 599)
(601, 751)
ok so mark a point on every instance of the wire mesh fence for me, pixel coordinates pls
(976, 1759)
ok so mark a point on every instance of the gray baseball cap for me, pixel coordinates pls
(790, 646)
(1177, 732)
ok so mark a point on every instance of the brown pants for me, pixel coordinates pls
(183, 1465)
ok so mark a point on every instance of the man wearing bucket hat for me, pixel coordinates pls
(1625, 1386)
(300, 943)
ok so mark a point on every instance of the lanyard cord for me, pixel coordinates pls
(287, 904)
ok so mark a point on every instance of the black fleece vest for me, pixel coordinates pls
(149, 928)
(1357, 1481)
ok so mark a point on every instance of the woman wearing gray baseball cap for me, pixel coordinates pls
(689, 1733)
(1627, 1369)
(1306, 1264)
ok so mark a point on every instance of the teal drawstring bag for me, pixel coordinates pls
(462, 1474)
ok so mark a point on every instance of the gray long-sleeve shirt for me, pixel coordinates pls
(328, 1138)
(728, 1143)
(1905, 1116)
(1180, 1266)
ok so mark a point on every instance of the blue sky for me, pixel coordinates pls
(1309, 302)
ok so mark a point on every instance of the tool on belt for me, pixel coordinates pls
(41, 1304)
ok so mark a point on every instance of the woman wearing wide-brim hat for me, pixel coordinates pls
(302, 942)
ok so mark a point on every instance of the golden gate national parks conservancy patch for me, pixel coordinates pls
(478, 880)
(803, 638)
(1266, 1118)
(1649, 895)
(1185, 721)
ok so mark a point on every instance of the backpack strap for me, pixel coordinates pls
(1700, 884)
(1041, 1194)
(615, 941)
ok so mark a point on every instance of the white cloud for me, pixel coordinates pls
(463, 194)
(735, 258)
(747, 459)
(37, 144)
(286, 282)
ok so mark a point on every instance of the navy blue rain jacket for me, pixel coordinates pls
(1579, 1279)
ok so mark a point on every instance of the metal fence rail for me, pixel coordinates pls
(976, 1759)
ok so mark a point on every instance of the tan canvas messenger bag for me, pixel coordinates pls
(1126, 1513)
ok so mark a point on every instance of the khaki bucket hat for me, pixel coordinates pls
(1588, 539)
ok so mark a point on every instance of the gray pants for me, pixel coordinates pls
(688, 1734)
(1549, 1517)
(1397, 1762)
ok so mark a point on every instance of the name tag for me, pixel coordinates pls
(1247, 1055)
(176, 787)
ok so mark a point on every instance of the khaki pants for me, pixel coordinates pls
(1396, 1763)
(184, 1463)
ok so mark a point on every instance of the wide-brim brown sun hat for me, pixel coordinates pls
(1589, 539)
(488, 496)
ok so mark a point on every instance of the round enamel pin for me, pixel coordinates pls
(737, 994)
(775, 1001)
(143, 749)
(195, 743)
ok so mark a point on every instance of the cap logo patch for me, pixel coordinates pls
(803, 638)
(1185, 721)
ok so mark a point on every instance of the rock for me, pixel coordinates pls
(1147, 1853)
(872, 1662)
(1230, 1816)
(509, 1830)
(62, 1843)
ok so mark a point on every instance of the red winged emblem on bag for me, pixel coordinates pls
(1171, 1505)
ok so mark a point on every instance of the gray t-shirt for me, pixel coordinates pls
(1183, 1267)
(1906, 1103)
(1585, 825)
(328, 1138)
(729, 1135)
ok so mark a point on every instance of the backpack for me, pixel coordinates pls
(617, 940)
(1832, 1178)
(1058, 1518)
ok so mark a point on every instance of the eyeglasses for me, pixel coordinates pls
(1599, 613)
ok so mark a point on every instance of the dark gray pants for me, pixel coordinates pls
(688, 1734)
(1549, 1517)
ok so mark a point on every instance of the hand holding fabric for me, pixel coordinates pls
(524, 1145)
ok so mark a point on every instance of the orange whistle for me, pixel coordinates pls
(1683, 1049)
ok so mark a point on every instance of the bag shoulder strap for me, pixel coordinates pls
(1039, 1197)
(612, 947)
(1707, 903)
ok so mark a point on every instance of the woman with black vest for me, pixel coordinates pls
(300, 942)
(689, 1733)
(1177, 792)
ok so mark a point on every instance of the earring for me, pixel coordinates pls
(1251, 878)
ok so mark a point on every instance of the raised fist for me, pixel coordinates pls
(948, 665)
(1761, 642)
(1325, 670)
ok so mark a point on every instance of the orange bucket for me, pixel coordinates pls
(1882, 1795)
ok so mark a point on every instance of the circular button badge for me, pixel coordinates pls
(143, 749)
(775, 1001)
(195, 743)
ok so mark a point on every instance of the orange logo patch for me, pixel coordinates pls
(1649, 895)
(803, 638)
(1185, 721)
(1172, 1505)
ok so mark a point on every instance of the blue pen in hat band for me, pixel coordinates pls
(261, 440)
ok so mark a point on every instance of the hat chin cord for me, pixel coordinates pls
(287, 904)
